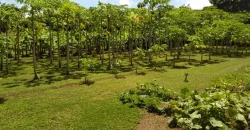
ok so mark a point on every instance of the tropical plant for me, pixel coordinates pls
(215, 108)
(198, 43)
(140, 54)
(86, 64)
(157, 50)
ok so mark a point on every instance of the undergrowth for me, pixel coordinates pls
(224, 106)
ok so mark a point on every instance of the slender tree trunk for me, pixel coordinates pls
(7, 53)
(109, 51)
(120, 43)
(15, 51)
(190, 53)
(99, 39)
(1, 67)
(242, 49)
(22, 49)
(41, 49)
(201, 54)
(26, 48)
(131, 46)
(149, 45)
(229, 49)
(86, 45)
(209, 53)
(174, 60)
(50, 48)
(1, 64)
(67, 38)
(85, 76)
(150, 38)
(113, 46)
(102, 48)
(34, 48)
(79, 46)
(246, 48)
(18, 45)
(171, 46)
(216, 47)
(59, 49)
(110, 65)
(178, 50)
(71, 33)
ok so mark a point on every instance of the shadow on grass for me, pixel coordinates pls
(49, 79)
(180, 67)
(88, 82)
(50, 73)
(141, 73)
(13, 68)
(234, 56)
(2, 100)
(11, 74)
(196, 63)
(214, 61)
(11, 85)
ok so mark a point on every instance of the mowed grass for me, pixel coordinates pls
(57, 101)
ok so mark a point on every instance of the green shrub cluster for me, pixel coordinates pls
(213, 108)
(225, 106)
(235, 82)
(149, 96)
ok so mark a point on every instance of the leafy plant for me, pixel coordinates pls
(235, 82)
(140, 54)
(149, 96)
(157, 50)
(222, 107)
(86, 64)
(118, 64)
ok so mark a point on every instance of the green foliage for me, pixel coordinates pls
(221, 107)
(158, 49)
(86, 63)
(196, 41)
(213, 108)
(232, 5)
(140, 53)
(117, 64)
(148, 96)
(235, 82)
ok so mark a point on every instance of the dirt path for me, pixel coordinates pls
(154, 122)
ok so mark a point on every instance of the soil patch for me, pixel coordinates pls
(154, 122)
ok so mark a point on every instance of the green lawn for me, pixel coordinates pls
(57, 101)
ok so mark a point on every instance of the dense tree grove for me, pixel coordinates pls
(55, 29)
(232, 5)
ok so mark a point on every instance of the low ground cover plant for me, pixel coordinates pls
(224, 106)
